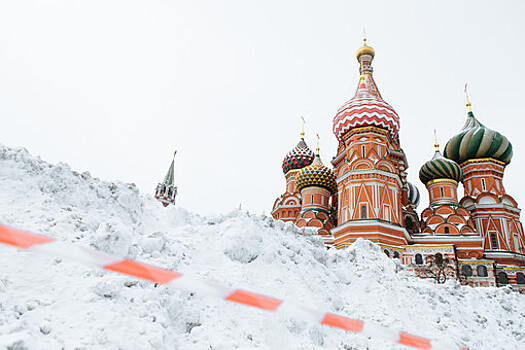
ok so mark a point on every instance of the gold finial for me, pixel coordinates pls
(317, 149)
(240, 206)
(302, 129)
(436, 144)
(469, 105)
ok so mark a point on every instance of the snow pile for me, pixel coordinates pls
(48, 303)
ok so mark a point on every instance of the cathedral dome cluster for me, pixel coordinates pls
(316, 175)
(298, 158)
(477, 141)
(477, 239)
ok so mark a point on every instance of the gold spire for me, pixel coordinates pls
(317, 149)
(302, 129)
(468, 104)
(436, 144)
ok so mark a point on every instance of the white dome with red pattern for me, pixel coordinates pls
(366, 108)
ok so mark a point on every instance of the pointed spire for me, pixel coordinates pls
(468, 104)
(302, 129)
(436, 144)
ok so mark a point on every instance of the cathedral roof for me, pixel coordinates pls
(413, 195)
(316, 174)
(367, 107)
(299, 157)
(440, 167)
(477, 141)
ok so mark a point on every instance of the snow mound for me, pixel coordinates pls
(48, 303)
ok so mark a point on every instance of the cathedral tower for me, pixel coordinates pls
(370, 166)
(483, 155)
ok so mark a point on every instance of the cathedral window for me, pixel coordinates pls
(447, 229)
(419, 259)
(482, 271)
(483, 186)
(387, 253)
(520, 278)
(396, 255)
(363, 149)
(363, 211)
(494, 241)
(312, 198)
(503, 278)
(442, 192)
(439, 258)
(466, 270)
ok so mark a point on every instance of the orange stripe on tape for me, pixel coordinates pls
(21, 239)
(253, 299)
(146, 272)
(414, 341)
(343, 322)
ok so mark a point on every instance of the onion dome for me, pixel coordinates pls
(413, 195)
(477, 141)
(316, 175)
(298, 158)
(365, 50)
(367, 107)
(440, 167)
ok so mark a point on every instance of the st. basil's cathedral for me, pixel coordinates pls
(478, 240)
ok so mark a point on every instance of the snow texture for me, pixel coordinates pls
(50, 303)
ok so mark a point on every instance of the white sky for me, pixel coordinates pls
(113, 87)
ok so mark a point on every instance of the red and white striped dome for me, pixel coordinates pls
(366, 108)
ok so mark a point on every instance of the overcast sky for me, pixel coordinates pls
(114, 87)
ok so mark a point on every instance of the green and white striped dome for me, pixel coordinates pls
(440, 167)
(477, 141)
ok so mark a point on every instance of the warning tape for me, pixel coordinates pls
(47, 245)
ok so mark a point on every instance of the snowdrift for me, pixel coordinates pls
(48, 303)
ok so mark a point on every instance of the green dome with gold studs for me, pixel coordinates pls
(477, 141)
(316, 175)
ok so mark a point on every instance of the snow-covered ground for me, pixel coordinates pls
(50, 303)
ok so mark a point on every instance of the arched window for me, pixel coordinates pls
(442, 192)
(483, 186)
(503, 278)
(482, 271)
(419, 259)
(439, 258)
(494, 241)
(363, 149)
(312, 198)
(396, 255)
(520, 278)
(447, 229)
(466, 270)
(363, 212)
(387, 253)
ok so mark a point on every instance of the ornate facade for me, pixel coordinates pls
(478, 239)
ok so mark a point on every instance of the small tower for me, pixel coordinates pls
(288, 205)
(316, 184)
(441, 176)
(166, 190)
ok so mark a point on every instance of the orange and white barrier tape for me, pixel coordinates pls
(47, 245)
